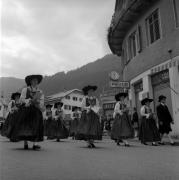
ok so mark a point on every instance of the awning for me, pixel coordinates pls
(165, 66)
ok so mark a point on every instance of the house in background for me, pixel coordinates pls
(3, 109)
(145, 34)
(69, 98)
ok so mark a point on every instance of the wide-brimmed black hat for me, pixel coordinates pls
(161, 97)
(146, 100)
(48, 106)
(89, 87)
(34, 76)
(117, 96)
(58, 103)
(14, 95)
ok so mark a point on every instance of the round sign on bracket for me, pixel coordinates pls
(114, 75)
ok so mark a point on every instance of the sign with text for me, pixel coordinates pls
(120, 84)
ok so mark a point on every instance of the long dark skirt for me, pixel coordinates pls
(74, 126)
(122, 127)
(57, 130)
(29, 125)
(48, 127)
(8, 124)
(148, 131)
(5, 126)
(89, 127)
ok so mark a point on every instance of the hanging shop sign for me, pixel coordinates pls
(108, 106)
(120, 84)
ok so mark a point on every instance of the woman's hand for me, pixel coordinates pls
(28, 102)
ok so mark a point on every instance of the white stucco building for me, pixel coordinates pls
(69, 98)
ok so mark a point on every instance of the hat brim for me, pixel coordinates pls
(49, 106)
(119, 95)
(29, 78)
(14, 95)
(146, 100)
(88, 88)
(59, 103)
(161, 97)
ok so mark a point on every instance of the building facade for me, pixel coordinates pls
(108, 102)
(146, 36)
(69, 98)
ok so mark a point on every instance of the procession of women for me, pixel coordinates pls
(32, 122)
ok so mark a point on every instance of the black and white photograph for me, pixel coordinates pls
(89, 89)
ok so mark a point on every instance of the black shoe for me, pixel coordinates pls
(89, 146)
(153, 144)
(92, 145)
(26, 147)
(58, 140)
(172, 144)
(145, 143)
(36, 147)
(118, 144)
(127, 145)
(161, 143)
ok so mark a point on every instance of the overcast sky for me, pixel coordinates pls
(48, 36)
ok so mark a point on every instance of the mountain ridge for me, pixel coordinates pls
(96, 72)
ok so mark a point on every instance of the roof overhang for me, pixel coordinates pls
(123, 20)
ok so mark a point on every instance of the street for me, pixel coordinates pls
(71, 160)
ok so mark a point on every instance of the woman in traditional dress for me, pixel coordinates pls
(13, 108)
(148, 129)
(60, 130)
(165, 119)
(29, 126)
(75, 121)
(89, 128)
(48, 121)
(122, 127)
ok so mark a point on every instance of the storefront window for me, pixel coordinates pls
(158, 78)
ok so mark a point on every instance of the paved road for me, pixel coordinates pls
(71, 160)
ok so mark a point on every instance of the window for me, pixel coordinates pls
(67, 97)
(75, 98)
(153, 27)
(67, 107)
(80, 99)
(132, 45)
(176, 13)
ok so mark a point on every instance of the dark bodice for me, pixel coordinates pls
(58, 113)
(122, 106)
(15, 104)
(76, 115)
(49, 113)
(30, 94)
(90, 101)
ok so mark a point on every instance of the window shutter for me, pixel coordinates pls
(128, 55)
(139, 39)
